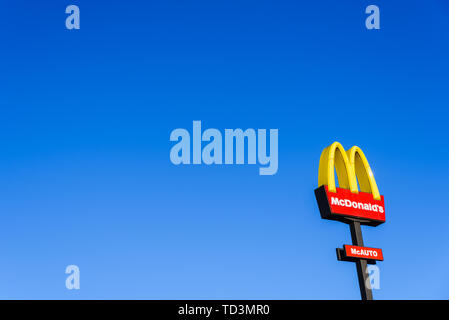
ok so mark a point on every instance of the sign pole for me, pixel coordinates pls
(362, 274)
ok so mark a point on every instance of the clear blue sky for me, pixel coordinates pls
(85, 173)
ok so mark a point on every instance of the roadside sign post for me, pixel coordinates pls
(350, 205)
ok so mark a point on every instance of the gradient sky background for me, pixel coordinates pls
(85, 119)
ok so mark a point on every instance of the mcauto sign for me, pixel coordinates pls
(348, 204)
(363, 252)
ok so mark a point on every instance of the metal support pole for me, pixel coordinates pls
(362, 272)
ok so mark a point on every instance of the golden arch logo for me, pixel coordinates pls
(346, 201)
(350, 166)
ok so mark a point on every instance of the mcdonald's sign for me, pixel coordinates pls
(347, 202)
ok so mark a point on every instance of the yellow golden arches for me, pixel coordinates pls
(350, 166)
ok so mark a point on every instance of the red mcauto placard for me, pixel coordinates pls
(363, 252)
(360, 205)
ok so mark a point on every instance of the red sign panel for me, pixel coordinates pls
(363, 252)
(359, 205)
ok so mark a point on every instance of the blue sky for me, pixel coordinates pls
(86, 178)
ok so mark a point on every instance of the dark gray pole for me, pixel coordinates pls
(362, 272)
